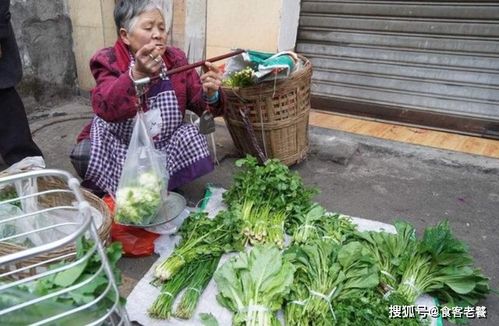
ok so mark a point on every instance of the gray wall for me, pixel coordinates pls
(43, 32)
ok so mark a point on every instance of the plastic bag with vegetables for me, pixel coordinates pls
(144, 180)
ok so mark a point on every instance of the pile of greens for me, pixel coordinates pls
(332, 274)
(391, 252)
(241, 78)
(139, 204)
(193, 278)
(318, 224)
(370, 308)
(443, 267)
(193, 262)
(325, 274)
(261, 225)
(163, 305)
(53, 283)
(200, 279)
(202, 236)
(253, 285)
(7, 193)
(438, 264)
(264, 196)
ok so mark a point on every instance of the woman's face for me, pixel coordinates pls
(148, 29)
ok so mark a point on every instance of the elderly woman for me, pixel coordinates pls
(139, 52)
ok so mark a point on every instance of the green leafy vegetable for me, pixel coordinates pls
(261, 225)
(70, 277)
(162, 306)
(202, 236)
(325, 274)
(270, 185)
(391, 251)
(200, 279)
(442, 266)
(318, 224)
(208, 319)
(253, 285)
(241, 78)
(308, 228)
(370, 308)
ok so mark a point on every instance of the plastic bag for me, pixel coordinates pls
(30, 222)
(25, 187)
(7, 230)
(136, 242)
(143, 182)
(29, 163)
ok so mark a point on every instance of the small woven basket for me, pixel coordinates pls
(61, 199)
(278, 112)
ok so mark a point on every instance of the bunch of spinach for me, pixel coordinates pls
(438, 264)
(253, 285)
(325, 274)
(391, 251)
(442, 266)
(61, 303)
(317, 224)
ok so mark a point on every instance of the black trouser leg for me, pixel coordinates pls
(16, 142)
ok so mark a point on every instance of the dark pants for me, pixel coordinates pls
(80, 158)
(15, 137)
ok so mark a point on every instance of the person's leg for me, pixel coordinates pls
(80, 158)
(16, 142)
(187, 145)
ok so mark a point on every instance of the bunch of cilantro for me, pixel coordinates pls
(271, 186)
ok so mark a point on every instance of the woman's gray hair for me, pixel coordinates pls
(126, 12)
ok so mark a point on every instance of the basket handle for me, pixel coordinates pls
(251, 134)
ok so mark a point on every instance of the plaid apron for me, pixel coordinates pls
(181, 142)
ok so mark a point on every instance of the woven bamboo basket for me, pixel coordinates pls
(278, 113)
(61, 199)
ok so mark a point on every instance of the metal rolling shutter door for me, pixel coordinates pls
(433, 63)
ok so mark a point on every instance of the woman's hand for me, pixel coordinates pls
(148, 61)
(211, 79)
